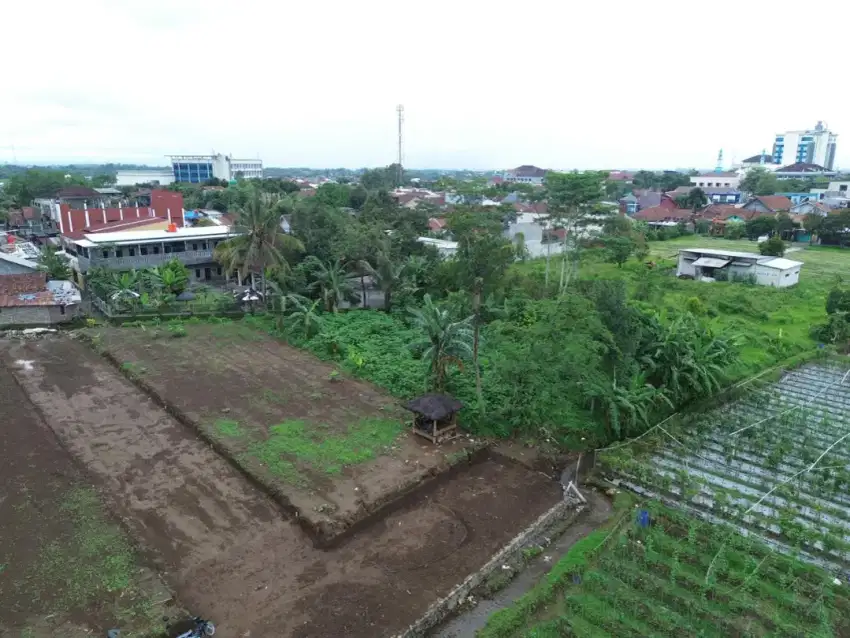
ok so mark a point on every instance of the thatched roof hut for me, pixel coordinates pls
(434, 407)
(435, 416)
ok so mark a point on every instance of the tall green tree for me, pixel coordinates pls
(55, 265)
(445, 341)
(760, 181)
(483, 257)
(571, 199)
(329, 280)
(260, 242)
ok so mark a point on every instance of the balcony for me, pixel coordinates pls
(188, 258)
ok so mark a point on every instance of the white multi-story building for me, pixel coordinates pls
(197, 169)
(816, 146)
(163, 177)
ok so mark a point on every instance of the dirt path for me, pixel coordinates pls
(464, 626)
(227, 549)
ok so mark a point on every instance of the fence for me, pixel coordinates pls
(133, 310)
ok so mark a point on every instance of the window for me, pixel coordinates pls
(197, 273)
(143, 250)
(194, 245)
(131, 252)
(218, 271)
(119, 252)
(156, 250)
(61, 309)
(105, 254)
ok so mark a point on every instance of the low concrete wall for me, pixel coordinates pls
(437, 612)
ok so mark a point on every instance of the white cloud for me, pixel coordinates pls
(484, 84)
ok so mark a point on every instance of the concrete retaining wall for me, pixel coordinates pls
(443, 607)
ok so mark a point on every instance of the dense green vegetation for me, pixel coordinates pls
(647, 577)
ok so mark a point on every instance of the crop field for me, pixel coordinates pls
(333, 447)
(660, 572)
(741, 526)
(775, 464)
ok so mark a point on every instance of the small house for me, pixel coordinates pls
(707, 264)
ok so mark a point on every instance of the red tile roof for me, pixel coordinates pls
(776, 202)
(662, 213)
(436, 223)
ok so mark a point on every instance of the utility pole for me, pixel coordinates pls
(400, 171)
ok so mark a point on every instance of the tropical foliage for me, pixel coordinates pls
(55, 265)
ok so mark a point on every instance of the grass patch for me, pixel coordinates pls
(133, 368)
(93, 564)
(322, 449)
(229, 428)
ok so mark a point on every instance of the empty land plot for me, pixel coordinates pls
(228, 551)
(333, 447)
(66, 568)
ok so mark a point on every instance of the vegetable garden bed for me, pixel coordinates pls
(775, 464)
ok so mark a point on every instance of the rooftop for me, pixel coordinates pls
(143, 236)
(803, 167)
(33, 289)
(527, 170)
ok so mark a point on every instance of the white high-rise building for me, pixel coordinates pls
(811, 147)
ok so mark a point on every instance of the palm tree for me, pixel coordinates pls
(627, 407)
(687, 358)
(386, 274)
(305, 317)
(260, 242)
(330, 281)
(446, 341)
(54, 264)
(170, 278)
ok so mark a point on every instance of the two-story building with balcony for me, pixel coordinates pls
(141, 237)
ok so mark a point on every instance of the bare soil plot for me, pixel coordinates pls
(332, 447)
(66, 568)
(227, 549)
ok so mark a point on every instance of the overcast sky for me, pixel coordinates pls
(614, 84)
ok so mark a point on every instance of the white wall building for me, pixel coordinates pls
(718, 179)
(815, 146)
(197, 169)
(163, 177)
(706, 264)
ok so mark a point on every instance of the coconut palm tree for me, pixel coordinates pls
(260, 242)
(330, 282)
(445, 341)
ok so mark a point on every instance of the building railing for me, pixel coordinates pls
(187, 257)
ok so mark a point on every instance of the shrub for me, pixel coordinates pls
(838, 300)
(773, 246)
(695, 305)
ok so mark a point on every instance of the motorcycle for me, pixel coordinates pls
(202, 628)
(198, 628)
